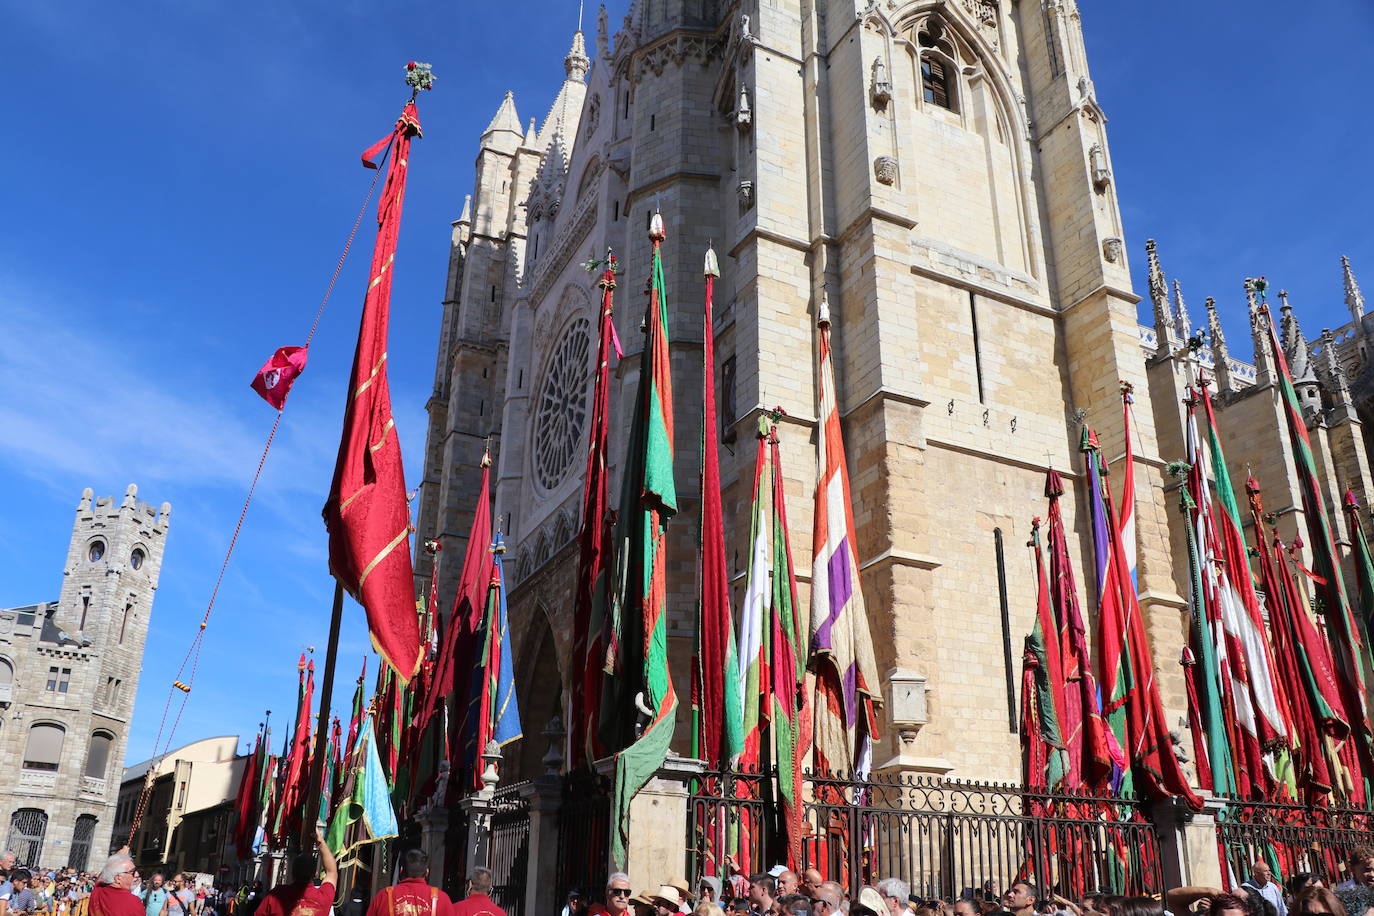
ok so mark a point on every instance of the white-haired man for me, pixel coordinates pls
(617, 902)
(113, 893)
(894, 892)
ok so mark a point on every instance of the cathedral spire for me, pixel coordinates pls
(1165, 331)
(531, 137)
(1181, 319)
(1264, 369)
(1354, 299)
(1295, 345)
(505, 118)
(576, 64)
(1221, 356)
(1333, 373)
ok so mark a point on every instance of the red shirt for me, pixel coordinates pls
(108, 900)
(476, 905)
(411, 897)
(298, 900)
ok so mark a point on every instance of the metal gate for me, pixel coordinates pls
(510, 848)
(1292, 838)
(584, 824)
(27, 828)
(944, 838)
(81, 842)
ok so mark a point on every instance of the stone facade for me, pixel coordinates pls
(939, 173)
(69, 671)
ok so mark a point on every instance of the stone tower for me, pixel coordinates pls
(938, 172)
(72, 668)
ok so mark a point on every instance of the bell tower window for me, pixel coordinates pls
(935, 82)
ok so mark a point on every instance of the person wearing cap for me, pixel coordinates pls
(870, 903)
(684, 894)
(576, 905)
(667, 902)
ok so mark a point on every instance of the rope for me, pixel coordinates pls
(161, 748)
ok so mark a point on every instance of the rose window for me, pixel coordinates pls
(560, 412)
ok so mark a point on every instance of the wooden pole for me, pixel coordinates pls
(315, 784)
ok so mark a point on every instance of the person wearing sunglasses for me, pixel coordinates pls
(618, 892)
(113, 894)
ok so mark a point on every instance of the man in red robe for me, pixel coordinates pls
(301, 897)
(113, 894)
(413, 895)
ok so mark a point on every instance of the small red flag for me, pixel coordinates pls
(276, 376)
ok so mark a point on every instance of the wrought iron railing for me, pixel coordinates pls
(1297, 837)
(942, 837)
(584, 825)
(510, 847)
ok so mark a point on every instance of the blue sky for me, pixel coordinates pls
(182, 175)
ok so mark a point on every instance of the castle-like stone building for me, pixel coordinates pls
(69, 672)
(939, 173)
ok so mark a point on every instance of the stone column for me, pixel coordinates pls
(657, 848)
(479, 809)
(545, 797)
(433, 829)
(1188, 843)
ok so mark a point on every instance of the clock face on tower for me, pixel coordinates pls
(560, 413)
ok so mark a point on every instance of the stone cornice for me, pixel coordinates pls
(998, 457)
(660, 183)
(1107, 288)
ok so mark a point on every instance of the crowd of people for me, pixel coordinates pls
(119, 891)
(782, 892)
(67, 892)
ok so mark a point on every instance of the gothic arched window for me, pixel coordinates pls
(939, 66)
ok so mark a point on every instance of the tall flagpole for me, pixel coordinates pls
(314, 784)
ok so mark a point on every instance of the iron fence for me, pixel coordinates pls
(510, 847)
(1292, 838)
(944, 838)
(584, 824)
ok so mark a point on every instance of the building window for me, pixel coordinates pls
(124, 622)
(59, 679)
(44, 748)
(136, 558)
(27, 827)
(561, 408)
(98, 757)
(97, 551)
(935, 82)
(81, 842)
